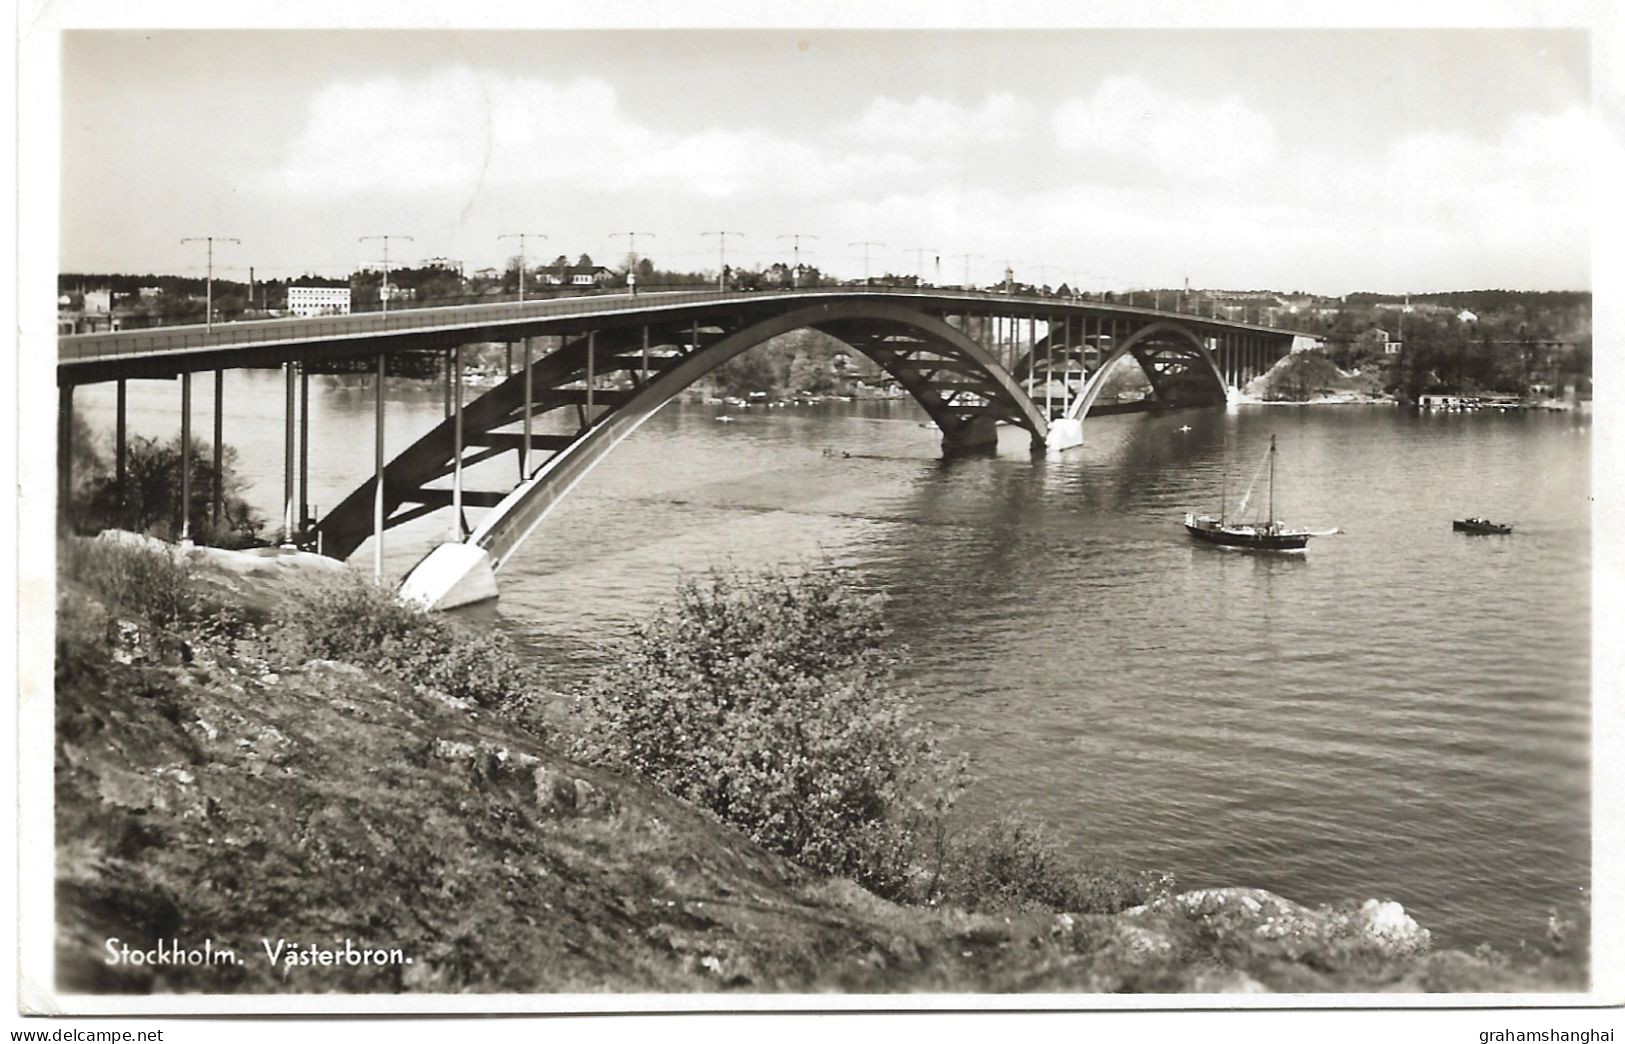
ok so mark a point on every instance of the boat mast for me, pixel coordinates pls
(1272, 482)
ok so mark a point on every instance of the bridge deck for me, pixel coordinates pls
(165, 351)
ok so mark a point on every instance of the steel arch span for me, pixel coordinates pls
(959, 383)
(1176, 361)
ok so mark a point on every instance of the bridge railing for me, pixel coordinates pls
(127, 343)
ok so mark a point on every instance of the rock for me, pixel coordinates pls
(454, 702)
(124, 536)
(128, 641)
(1225, 981)
(1392, 930)
(335, 667)
(564, 795)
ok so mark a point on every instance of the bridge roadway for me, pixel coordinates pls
(167, 351)
(973, 360)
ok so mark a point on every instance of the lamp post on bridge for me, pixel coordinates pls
(521, 237)
(722, 255)
(919, 262)
(632, 255)
(795, 239)
(208, 280)
(866, 244)
(383, 290)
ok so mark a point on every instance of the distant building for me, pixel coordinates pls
(150, 293)
(1392, 347)
(87, 311)
(1467, 317)
(578, 275)
(306, 301)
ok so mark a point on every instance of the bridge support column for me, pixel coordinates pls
(304, 447)
(287, 453)
(121, 465)
(186, 457)
(1049, 368)
(217, 508)
(457, 449)
(975, 432)
(524, 447)
(64, 456)
(378, 472)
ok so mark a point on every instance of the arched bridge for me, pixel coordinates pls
(972, 360)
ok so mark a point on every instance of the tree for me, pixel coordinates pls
(810, 376)
(150, 501)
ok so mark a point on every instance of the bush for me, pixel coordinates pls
(1016, 864)
(768, 699)
(154, 583)
(350, 618)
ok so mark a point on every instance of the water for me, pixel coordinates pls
(1402, 712)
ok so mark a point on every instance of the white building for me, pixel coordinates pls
(307, 301)
(1467, 317)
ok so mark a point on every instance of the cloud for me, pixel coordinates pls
(1430, 211)
(938, 123)
(1128, 118)
(1146, 187)
(458, 132)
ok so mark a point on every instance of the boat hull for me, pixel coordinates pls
(1485, 528)
(1255, 541)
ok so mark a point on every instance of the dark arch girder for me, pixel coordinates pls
(1175, 360)
(959, 384)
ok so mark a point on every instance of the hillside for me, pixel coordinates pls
(220, 791)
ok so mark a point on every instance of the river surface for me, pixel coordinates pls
(1401, 712)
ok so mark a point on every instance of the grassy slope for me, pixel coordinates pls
(211, 799)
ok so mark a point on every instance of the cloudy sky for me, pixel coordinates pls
(1323, 160)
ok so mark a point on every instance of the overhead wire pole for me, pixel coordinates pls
(795, 250)
(866, 244)
(208, 282)
(383, 291)
(722, 255)
(521, 237)
(967, 259)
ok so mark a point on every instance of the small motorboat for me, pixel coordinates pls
(1480, 525)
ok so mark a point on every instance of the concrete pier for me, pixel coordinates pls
(451, 575)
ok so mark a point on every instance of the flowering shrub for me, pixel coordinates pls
(769, 699)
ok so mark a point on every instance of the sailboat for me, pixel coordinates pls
(1269, 535)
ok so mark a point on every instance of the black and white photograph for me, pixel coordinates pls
(798, 510)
